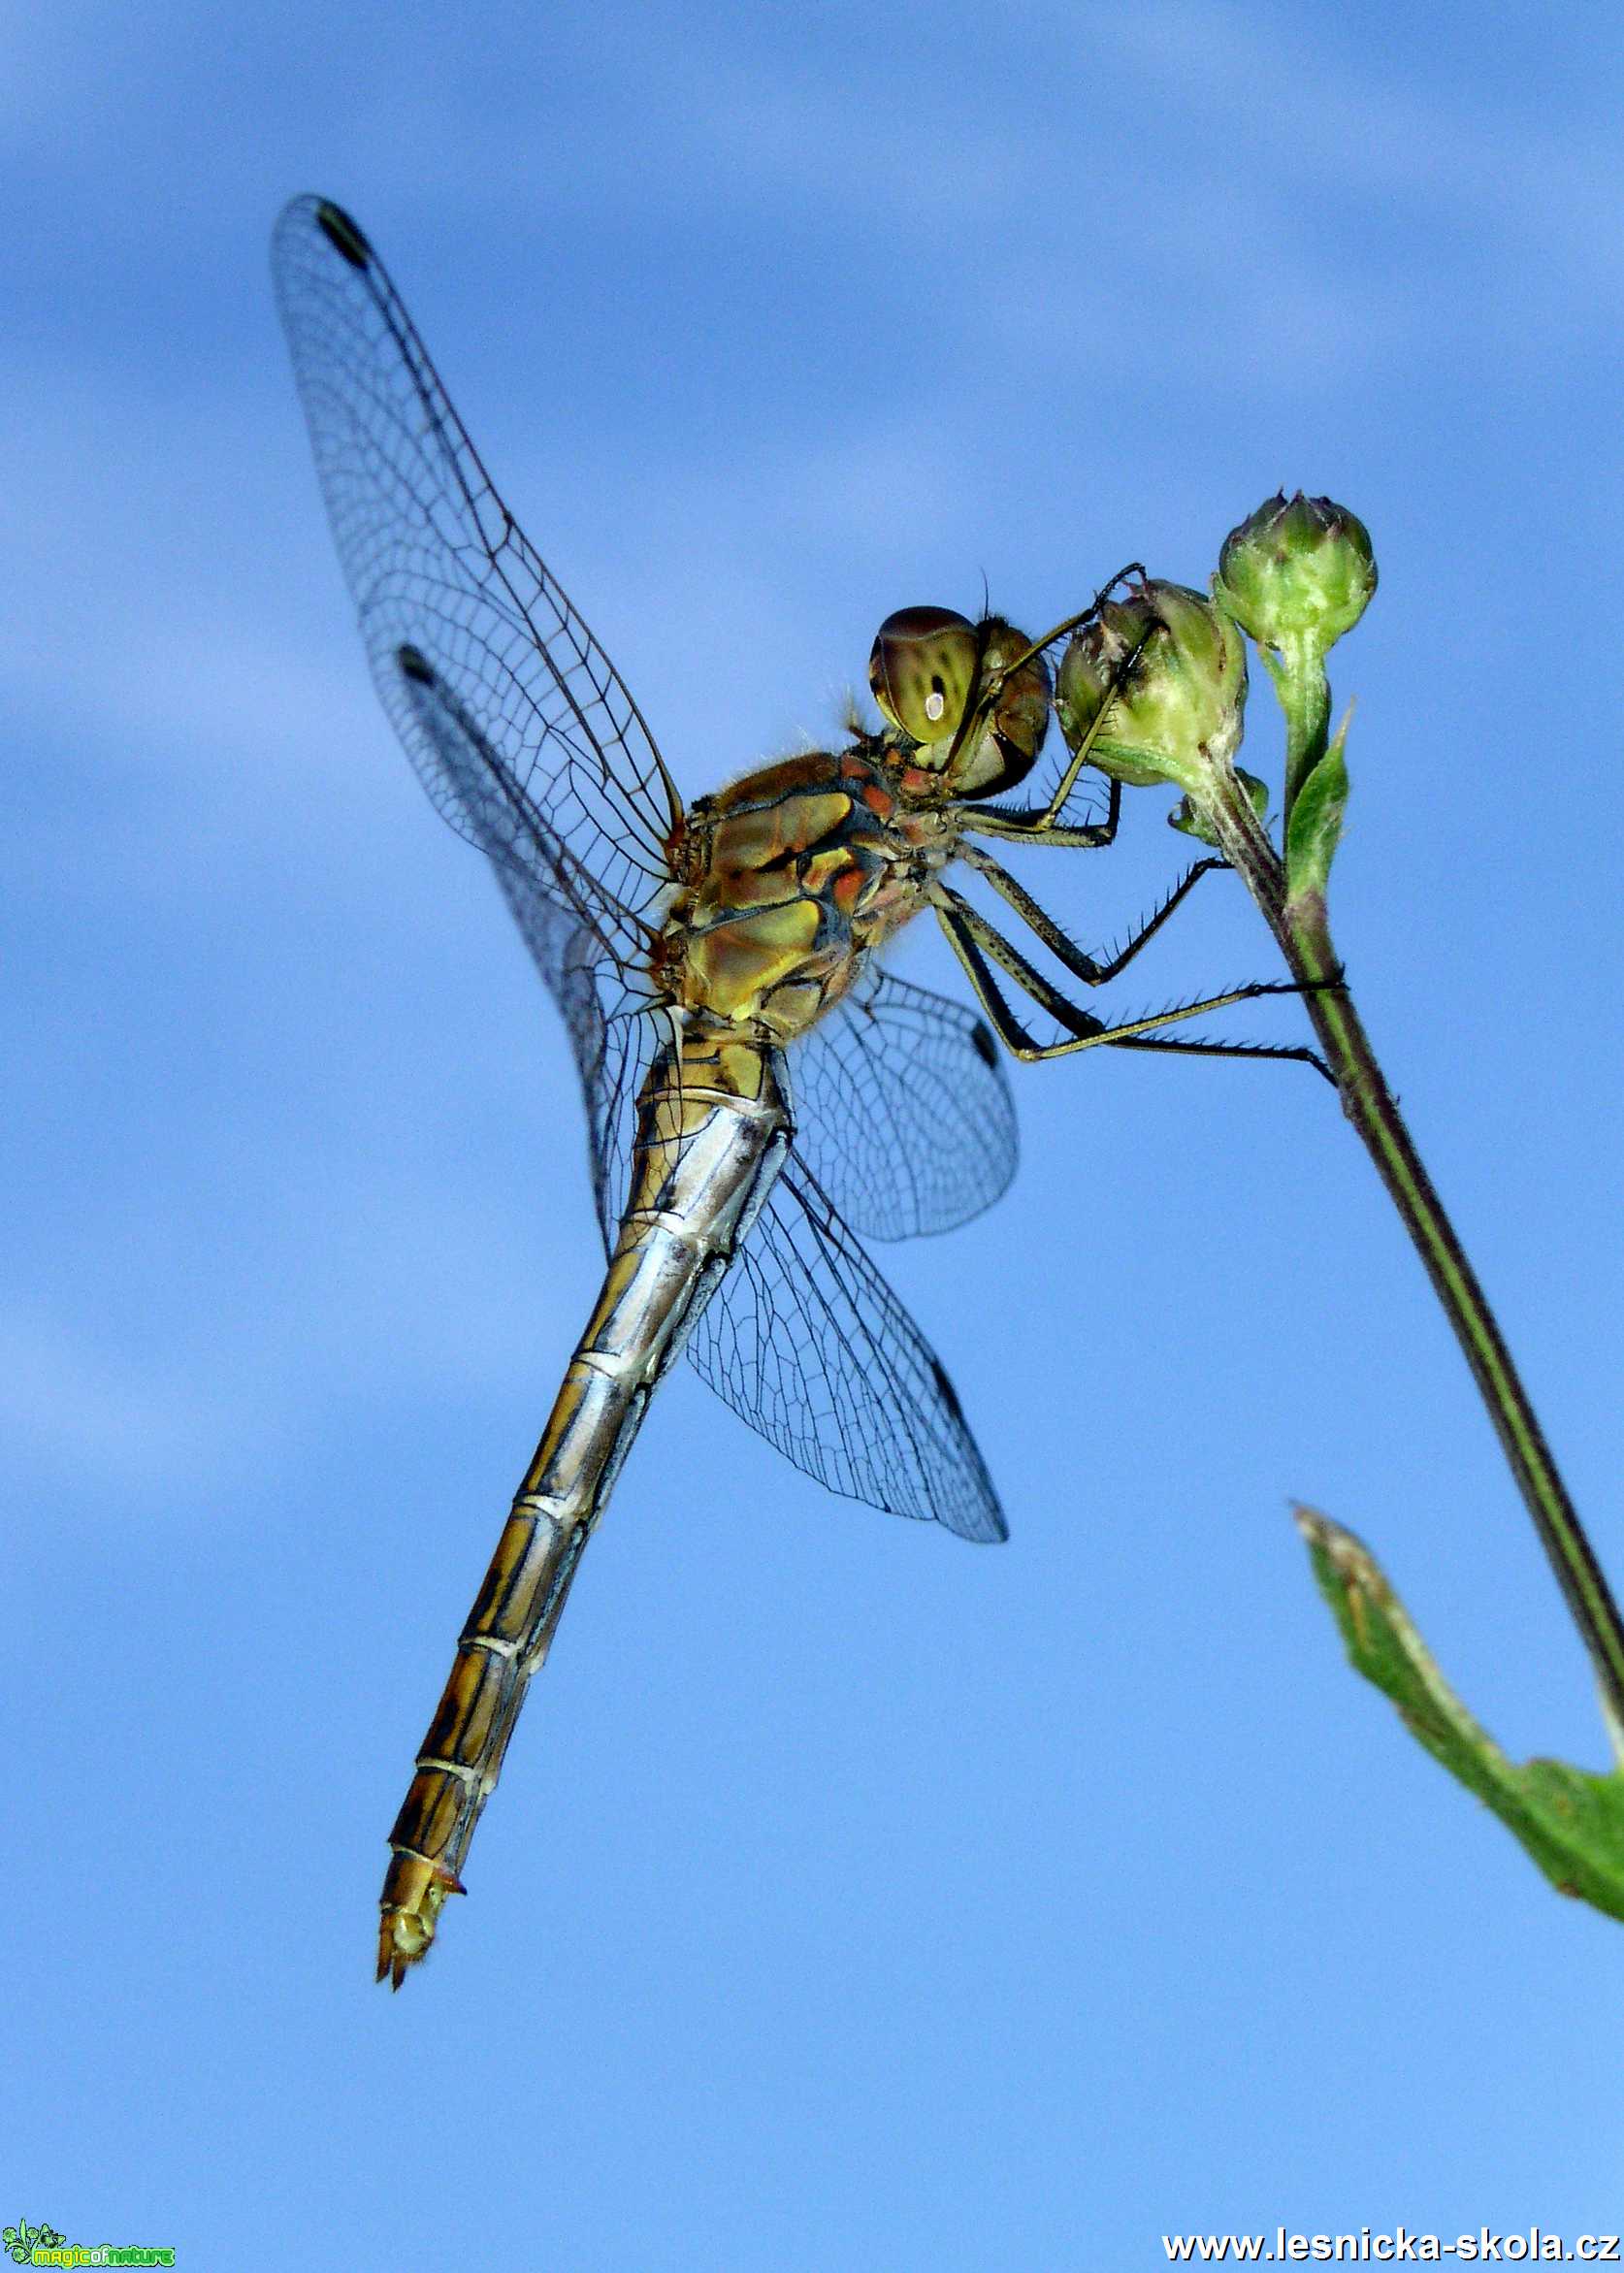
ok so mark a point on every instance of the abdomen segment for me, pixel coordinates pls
(712, 1132)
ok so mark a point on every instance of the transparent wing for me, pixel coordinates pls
(529, 744)
(592, 956)
(803, 1338)
(903, 1111)
(441, 572)
(806, 1342)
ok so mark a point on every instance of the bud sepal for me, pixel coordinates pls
(1314, 827)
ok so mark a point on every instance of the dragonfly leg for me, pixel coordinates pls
(1043, 826)
(1035, 827)
(975, 941)
(1293, 1053)
(1090, 969)
(1043, 823)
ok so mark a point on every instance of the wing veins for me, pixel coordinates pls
(454, 440)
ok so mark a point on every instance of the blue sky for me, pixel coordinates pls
(852, 1898)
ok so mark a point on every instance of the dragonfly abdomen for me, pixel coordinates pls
(713, 1129)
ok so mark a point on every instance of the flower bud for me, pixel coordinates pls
(1177, 710)
(1299, 569)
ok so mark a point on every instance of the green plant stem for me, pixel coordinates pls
(1301, 926)
(1304, 697)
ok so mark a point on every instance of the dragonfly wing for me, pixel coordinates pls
(806, 1342)
(903, 1111)
(616, 1024)
(441, 572)
(592, 956)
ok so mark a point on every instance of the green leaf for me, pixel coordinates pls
(1188, 817)
(1314, 827)
(1570, 1821)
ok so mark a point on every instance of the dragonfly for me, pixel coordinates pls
(761, 1093)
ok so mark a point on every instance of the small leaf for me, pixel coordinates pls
(1570, 1821)
(1314, 825)
(1187, 816)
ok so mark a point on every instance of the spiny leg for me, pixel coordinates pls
(970, 934)
(973, 939)
(1017, 823)
(1293, 1053)
(1043, 828)
(1090, 969)
(1031, 826)
(951, 907)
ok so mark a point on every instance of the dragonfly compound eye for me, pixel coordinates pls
(923, 671)
(1001, 744)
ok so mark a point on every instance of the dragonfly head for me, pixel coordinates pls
(973, 697)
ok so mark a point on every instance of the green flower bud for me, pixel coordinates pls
(1178, 710)
(1299, 569)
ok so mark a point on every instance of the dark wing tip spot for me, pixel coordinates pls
(984, 1047)
(946, 1390)
(342, 233)
(415, 664)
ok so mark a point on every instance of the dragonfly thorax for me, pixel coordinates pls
(789, 878)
